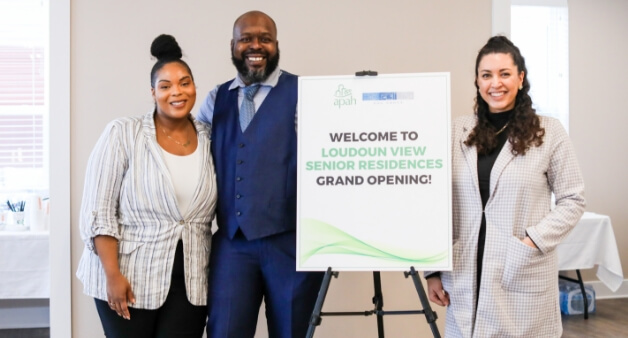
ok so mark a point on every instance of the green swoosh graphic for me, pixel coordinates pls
(323, 238)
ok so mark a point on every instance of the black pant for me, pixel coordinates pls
(177, 317)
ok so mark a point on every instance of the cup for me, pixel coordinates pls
(35, 213)
(37, 221)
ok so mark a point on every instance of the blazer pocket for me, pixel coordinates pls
(526, 269)
(127, 247)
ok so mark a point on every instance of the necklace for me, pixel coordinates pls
(503, 128)
(187, 143)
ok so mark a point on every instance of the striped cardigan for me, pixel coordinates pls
(128, 194)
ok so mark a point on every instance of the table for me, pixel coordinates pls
(592, 242)
(24, 265)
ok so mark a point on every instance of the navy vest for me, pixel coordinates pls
(256, 170)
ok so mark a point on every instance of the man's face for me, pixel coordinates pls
(254, 48)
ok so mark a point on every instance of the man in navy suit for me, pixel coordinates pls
(255, 154)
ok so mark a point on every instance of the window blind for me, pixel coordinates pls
(23, 103)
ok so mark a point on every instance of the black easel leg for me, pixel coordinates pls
(378, 300)
(315, 319)
(429, 314)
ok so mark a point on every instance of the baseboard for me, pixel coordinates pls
(603, 292)
(24, 313)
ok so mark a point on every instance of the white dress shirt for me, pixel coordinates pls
(206, 113)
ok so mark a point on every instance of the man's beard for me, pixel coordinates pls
(251, 76)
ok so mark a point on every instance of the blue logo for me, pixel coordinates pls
(387, 96)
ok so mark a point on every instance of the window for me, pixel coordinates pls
(17, 21)
(541, 31)
(24, 160)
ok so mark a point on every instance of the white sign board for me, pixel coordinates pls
(374, 175)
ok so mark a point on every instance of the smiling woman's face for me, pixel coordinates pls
(498, 81)
(174, 91)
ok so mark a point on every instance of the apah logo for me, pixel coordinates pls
(343, 97)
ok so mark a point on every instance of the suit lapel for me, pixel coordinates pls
(202, 135)
(149, 131)
(470, 154)
(503, 159)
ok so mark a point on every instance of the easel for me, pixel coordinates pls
(378, 301)
(378, 298)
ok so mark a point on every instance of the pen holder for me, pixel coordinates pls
(18, 218)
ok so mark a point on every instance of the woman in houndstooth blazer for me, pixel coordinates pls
(507, 161)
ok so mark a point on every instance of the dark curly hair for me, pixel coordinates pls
(524, 127)
(166, 49)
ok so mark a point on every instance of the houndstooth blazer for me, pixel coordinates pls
(519, 290)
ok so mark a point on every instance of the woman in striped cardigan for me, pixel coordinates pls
(148, 201)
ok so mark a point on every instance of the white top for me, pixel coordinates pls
(184, 174)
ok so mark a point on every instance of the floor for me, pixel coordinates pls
(25, 333)
(609, 320)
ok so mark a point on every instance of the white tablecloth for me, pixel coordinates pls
(24, 265)
(592, 242)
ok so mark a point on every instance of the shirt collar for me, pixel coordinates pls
(271, 81)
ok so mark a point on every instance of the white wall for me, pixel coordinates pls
(110, 78)
(60, 238)
(598, 31)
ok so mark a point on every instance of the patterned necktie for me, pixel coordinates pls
(247, 109)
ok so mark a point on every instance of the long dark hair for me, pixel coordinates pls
(524, 129)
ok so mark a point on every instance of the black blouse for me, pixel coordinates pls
(485, 165)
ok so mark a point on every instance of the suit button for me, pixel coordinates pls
(181, 222)
(238, 196)
(238, 178)
(241, 145)
(238, 213)
(239, 161)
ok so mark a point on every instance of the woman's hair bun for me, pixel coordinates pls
(165, 47)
